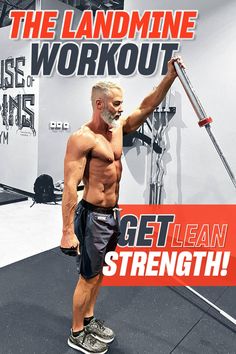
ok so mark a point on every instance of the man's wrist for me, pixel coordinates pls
(67, 233)
(171, 76)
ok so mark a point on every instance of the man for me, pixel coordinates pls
(91, 229)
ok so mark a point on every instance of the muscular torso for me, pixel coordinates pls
(103, 169)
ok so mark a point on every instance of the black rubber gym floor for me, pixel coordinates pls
(35, 313)
(7, 197)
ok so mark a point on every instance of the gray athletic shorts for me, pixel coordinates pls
(98, 230)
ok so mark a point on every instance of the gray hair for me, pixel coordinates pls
(103, 87)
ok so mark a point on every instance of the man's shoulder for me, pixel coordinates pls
(83, 134)
(83, 138)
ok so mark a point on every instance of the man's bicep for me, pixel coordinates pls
(75, 161)
(134, 120)
(74, 170)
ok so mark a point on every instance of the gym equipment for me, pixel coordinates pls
(223, 313)
(204, 120)
(159, 124)
(70, 251)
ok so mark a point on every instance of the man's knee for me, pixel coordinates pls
(91, 282)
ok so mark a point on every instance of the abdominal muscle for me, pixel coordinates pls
(101, 181)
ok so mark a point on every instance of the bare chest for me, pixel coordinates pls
(108, 148)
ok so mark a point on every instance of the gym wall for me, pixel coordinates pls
(194, 172)
(62, 99)
(18, 136)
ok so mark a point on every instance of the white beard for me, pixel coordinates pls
(109, 118)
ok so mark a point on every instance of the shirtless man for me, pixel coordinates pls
(91, 229)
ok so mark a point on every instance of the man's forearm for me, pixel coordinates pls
(148, 105)
(69, 203)
(157, 95)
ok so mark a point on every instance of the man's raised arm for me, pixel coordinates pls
(150, 102)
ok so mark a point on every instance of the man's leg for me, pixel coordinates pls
(92, 324)
(80, 339)
(83, 299)
(90, 309)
